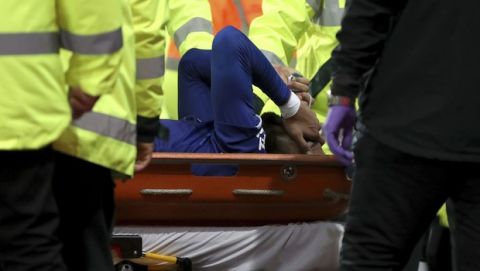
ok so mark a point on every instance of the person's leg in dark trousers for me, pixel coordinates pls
(438, 252)
(84, 194)
(433, 251)
(394, 198)
(417, 255)
(194, 85)
(28, 213)
(466, 215)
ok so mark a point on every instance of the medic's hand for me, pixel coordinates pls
(144, 155)
(80, 102)
(293, 80)
(338, 130)
(303, 127)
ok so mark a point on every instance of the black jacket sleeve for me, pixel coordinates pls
(365, 29)
(147, 129)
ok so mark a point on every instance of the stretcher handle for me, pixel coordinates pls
(258, 192)
(335, 196)
(183, 263)
(163, 258)
(164, 192)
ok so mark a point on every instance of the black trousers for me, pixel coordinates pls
(28, 213)
(434, 249)
(84, 194)
(395, 196)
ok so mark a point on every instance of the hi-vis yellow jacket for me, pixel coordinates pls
(149, 21)
(107, 136)
(301, 34)
(189, 26)
(33, 105)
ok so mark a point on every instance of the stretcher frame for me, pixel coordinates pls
(268, 188)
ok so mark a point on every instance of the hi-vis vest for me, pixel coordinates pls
(237, 13)
(301, 34)
(33, 106)
(107, 135)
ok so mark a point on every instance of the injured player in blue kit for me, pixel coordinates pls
(216, 106)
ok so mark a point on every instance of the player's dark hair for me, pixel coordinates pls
(273, 126)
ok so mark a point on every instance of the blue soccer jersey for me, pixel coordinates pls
(195, 136)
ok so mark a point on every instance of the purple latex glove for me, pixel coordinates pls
(338, 130)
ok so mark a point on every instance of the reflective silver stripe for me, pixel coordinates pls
(272, 58)
(148, 68)
(29, 43)
(172, 64)
(108, 126)
(194, 25)
(315, 4)
(243, 17)
(330, 14)
(105, 43)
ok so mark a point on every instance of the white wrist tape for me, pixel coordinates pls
(291, 107)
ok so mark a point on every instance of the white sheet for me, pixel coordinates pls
(292, 247)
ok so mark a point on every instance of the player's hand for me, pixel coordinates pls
(298, 83)
(306, 98)
(80, 102)
(294, 80)
(302, 127)
(144, 155)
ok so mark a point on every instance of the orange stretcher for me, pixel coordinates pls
(268, 188)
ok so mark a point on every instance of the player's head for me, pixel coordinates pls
(277, 140)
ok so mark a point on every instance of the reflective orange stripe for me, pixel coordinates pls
(226, 13)
(252, 9)
(173, 51)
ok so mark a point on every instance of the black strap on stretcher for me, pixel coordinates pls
(321, 78)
